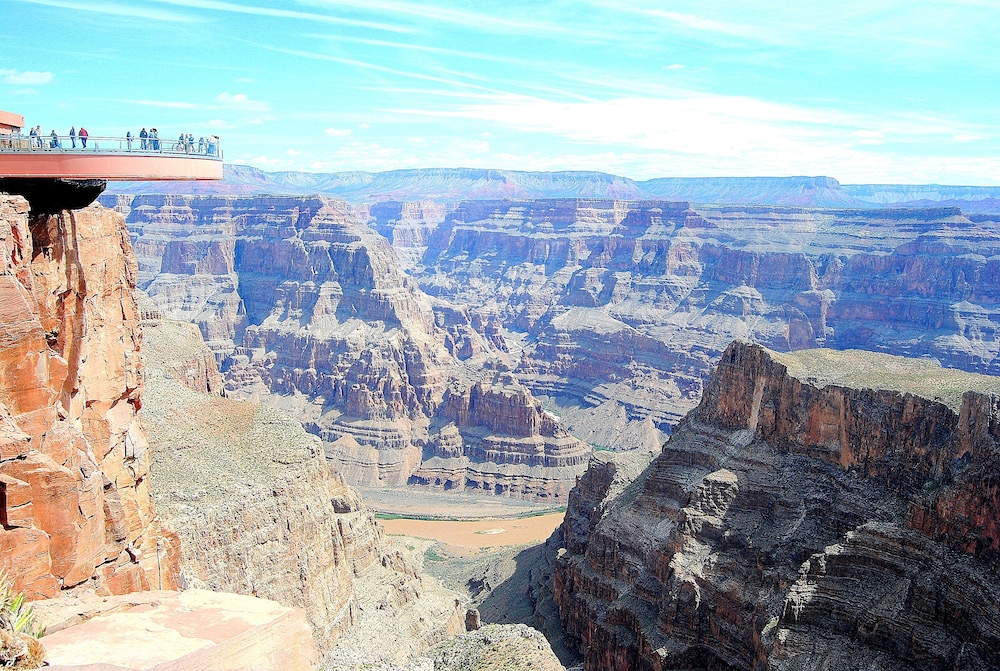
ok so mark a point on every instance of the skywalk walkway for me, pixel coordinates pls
(56, 172)
(108, 158)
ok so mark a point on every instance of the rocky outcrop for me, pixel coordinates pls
(817, 510)
(178, 350)
(407, 226)
(498, 439)
(259, 509)
(75, 506)
(495, 647)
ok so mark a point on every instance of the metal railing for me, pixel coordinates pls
(93, 144)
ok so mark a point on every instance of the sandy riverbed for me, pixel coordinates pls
(479, 534)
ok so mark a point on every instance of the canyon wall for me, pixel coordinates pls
(818, 509)
(611, 313)
(618, 310)
(259, 509)
(74, 460)
(308, 308)
(498, 439)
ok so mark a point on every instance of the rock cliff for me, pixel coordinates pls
(617, 310)
(308, 308)
(818, 509)
(74, 459)
(259, 509)
(499, 439)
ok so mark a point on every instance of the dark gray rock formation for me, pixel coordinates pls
(798, 519)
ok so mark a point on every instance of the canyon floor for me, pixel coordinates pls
(481, 534)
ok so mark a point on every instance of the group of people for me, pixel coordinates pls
(150, 141)
(36, 139)
(147, 141)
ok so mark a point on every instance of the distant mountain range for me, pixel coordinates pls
(455, 184)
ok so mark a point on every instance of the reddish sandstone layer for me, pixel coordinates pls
(74, 494)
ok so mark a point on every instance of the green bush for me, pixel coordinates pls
(16, 614)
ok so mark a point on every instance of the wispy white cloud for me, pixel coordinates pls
(167, 104)
(240, 101)
(703, 24)
(423, 48)
(375, 67)
(273, 12)
(872, 137)
(721, 134)
(338, 132)
(25, 78)
(115, 9)
(477, 21)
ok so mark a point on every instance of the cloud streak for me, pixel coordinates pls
(26, 78)
(476, 21)
(375, 67)
(273, 12)
(115, 9)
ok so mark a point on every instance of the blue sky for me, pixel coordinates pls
(867, 91)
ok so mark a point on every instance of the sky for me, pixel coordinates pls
(869, 91)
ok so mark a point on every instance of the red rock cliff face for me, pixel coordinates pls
(74, 491)
(790, 525)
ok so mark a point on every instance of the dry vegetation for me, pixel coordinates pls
(857, 368)
(19, 633)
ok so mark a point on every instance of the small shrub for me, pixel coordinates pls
(19, 633)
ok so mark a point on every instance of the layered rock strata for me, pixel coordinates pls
(259, 509)
(75, 506)
(611, 311)
(308, 308)
(817, 510)
(623, 307)
(499, 439)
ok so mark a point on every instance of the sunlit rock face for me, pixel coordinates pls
(493, 436)
(74, 475)
(306, 306)
(610, 312)
(798, 518)
(627, 305)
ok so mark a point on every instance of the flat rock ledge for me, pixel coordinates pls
(194, 630)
